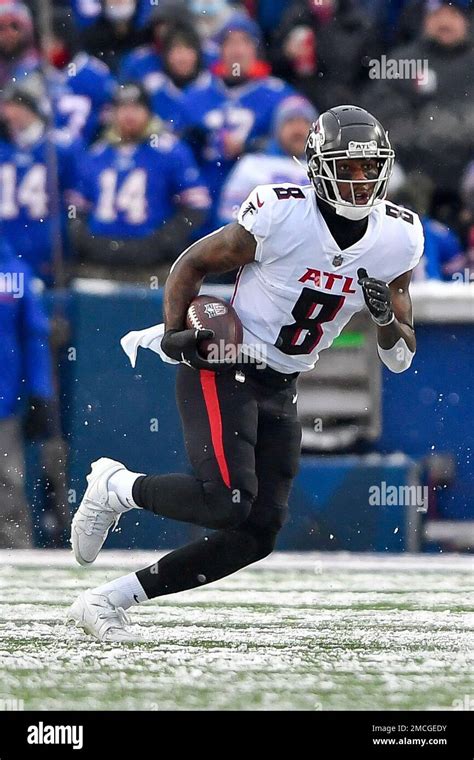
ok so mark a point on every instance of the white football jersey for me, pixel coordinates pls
(254, 169)
(301, 290)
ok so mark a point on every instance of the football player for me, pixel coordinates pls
(310, 258)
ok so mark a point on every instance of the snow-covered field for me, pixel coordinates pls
(307, 631)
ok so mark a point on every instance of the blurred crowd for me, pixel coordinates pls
(130, 128)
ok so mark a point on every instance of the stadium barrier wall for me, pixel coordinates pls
(130, 414)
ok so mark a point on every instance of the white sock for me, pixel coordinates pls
(125, 592)
(121, 484)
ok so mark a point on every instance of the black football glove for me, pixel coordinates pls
(183, 346)
(377, 297)
(38, 422)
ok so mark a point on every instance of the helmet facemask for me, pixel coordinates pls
(322, 171)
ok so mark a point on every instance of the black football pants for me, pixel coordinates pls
(243, 437)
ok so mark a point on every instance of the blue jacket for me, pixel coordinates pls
(442, 247)
(25, 363)
(29, 225)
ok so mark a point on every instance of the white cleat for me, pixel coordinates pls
(96, 614)
(98, 511)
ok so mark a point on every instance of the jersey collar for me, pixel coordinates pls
(330, 246)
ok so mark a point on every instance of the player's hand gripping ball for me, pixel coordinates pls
(212, 339)
(211, 313)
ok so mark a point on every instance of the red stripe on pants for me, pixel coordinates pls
(209, 389)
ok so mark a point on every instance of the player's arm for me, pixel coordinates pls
(391, 309)
(402, 325)
(226, 249)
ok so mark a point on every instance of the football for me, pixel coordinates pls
(212, 313)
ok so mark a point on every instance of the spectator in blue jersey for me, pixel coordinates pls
(25, 386)
(147, 59)
(231, 110)
(81, 92)
(143, 193)
(78, 85)
(113, 33)
(182, 62)
(38, 173)
(276, 163)
(18, 54)
(443, 257)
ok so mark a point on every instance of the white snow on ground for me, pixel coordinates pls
(308, 631)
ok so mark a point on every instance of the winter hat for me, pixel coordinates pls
(293, 107)
(240, 23)
(131, 92)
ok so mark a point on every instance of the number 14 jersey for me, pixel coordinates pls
(301, 290)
